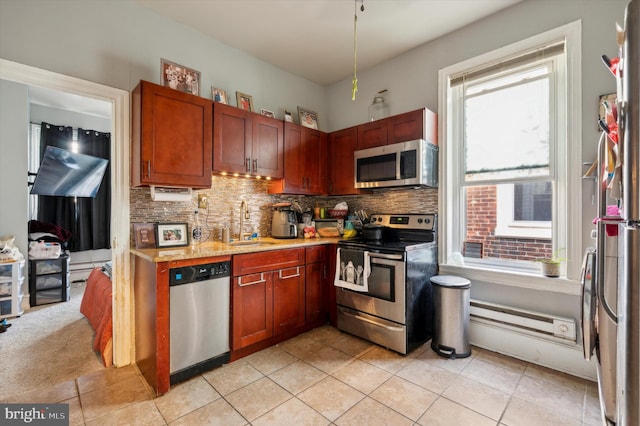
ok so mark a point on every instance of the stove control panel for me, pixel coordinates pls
(427, 221)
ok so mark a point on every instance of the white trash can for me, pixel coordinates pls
(451, 316)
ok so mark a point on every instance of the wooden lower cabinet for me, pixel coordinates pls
(288, 299)
(316, 293)
(252, 309)
(276, 295)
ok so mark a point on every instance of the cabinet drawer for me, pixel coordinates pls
(244, 264)
(316, 254)
(8, 289)
(52, 296)
(44, 282)
(51, 266)
(12, 270)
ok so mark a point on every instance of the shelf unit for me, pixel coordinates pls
(11, 280)
(49, 280)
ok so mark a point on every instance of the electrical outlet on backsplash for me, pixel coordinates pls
(225, 194)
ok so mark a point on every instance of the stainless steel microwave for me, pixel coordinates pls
(412, 163)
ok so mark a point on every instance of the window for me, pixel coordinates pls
(510, 136)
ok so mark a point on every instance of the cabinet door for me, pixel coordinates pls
(294, 181)
(267, 154)
(315, 292)
(342, 145)
(252, 309)
(314, 160)
(232, 137)
(407, 127)
(172, 138)
(288, 299)
(375, 133)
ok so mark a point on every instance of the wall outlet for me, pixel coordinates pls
(202, 201)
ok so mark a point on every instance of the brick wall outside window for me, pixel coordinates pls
(481, 225)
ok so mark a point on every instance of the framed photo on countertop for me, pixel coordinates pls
(172, 234)
(219, 95)
(144, 235)
(308, 118)
(245, 101)
(179, 77)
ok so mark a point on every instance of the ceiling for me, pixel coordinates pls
(315, 38)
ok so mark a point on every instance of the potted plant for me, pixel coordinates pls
(551, 265)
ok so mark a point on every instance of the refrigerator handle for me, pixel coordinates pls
(601, 234)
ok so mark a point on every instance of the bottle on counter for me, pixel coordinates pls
(226, 234)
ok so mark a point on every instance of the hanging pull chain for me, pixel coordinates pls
(354, 88)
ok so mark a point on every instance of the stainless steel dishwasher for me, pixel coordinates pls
(199, 299)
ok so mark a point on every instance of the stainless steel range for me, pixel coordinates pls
(396, 310)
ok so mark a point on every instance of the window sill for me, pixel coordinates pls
(515, 279)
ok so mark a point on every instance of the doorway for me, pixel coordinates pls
(123, 346)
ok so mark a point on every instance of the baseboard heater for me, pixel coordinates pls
(528, 322)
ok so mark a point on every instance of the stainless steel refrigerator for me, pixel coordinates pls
(611, 271)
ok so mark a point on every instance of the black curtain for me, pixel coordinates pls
(94, 214)
(88, 219)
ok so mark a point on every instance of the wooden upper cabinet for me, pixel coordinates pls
(247, 143)
(305, 162)
(232, 135)
(267, 149)
(171, 138)
(342, 145)
(418, 124)
(374, 133)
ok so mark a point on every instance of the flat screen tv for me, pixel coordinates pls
(69, 174)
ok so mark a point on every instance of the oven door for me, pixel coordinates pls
(386, 295)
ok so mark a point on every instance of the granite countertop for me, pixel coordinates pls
(214, 248)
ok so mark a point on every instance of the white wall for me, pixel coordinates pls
(14, 128)
(412, 82)
(118, 43)
(40, 113)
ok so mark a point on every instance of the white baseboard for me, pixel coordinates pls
(567, 358)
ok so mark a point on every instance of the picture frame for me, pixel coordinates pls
(172, 234)
(602, 114)
(244, 101)
(179, 77)
(219, 95)
(287, 116)
(308, 118)
(144, 235)
(267, 113)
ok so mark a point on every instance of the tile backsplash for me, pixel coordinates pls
(226, 193)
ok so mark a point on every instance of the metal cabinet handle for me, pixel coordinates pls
(248, 165)
(255, 165)
(377, 324)
(386, 256)
(261, 280)
(296, 274)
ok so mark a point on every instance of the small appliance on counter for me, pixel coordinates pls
(284, 223)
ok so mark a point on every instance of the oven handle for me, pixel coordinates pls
(387, 256)
(358, 317)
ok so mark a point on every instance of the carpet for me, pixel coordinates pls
(47, 345)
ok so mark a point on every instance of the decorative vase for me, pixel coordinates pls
(378, 109)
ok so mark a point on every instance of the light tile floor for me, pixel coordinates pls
(326, 377)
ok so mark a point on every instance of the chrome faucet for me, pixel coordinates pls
(244, 214)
